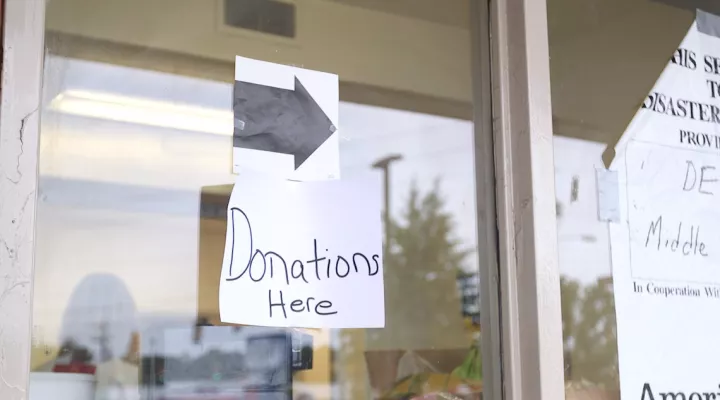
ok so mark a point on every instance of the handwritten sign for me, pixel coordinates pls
(674, 215)
(303, 254)
(666, 248)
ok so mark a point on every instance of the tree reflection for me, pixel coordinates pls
(423, 261)
(421, 268)
(589, 330)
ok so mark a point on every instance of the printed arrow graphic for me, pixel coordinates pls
(279, 120)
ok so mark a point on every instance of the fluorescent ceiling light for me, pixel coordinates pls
(145, 112)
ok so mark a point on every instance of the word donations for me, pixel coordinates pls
(303, 255)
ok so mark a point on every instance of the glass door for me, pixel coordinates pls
(136, 173)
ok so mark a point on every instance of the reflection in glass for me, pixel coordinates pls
(588, 307)
(604, 59)
(135, 177)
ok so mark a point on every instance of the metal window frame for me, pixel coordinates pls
(522, 327)
(485, 193)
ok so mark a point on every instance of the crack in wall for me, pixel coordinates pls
(21, 139)
(12, 287)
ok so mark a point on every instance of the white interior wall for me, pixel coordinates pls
(361, 45)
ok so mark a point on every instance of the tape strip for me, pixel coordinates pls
(608, 196)
(707, 23)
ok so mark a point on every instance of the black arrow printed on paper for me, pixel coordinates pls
(279, 120)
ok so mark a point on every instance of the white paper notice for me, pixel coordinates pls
(666, 246)
(303, 254)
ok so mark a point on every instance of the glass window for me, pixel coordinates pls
(135, 174)
(605, 57)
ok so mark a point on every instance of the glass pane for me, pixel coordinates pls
(605, 58)
(134, 188)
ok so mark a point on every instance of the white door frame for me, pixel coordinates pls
(531, 320)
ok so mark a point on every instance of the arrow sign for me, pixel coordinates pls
(279, 120)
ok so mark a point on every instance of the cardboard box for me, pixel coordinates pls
(383, 364)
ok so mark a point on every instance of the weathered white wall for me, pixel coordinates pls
(19, 125)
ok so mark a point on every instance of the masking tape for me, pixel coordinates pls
(608, 196)
(707, 23)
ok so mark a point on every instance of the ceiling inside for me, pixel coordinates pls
(605, 56)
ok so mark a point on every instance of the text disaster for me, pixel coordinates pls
(268, 264)
(692, 109)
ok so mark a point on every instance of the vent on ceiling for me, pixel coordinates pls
(273, 17)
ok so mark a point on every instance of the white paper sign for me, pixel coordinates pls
(285, 121)
(303, 254)
(666, 247)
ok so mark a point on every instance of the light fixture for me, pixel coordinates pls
(144, 111)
